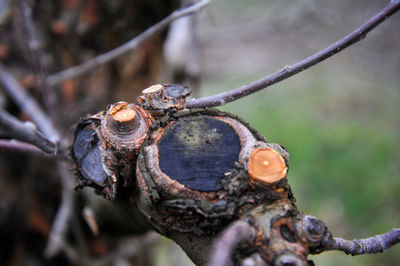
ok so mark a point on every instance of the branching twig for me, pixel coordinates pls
(130, 45)
(288, 71)
(28, 105)
(236, 233)
(37, 57)
(371, 245)
(26, 133)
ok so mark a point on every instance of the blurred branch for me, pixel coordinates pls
(20, 146)
(238, 232)
(28, 105)
(371, 245)
(288, 71)
(126, 248)
(254, 260)
(130, 45)
(24, 147)
(25, 132)
(57, 239)
(37, 57)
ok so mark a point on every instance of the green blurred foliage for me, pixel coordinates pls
(338, 120)
(344, 166)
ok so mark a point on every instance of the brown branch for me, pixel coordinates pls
(288, 71)
(37, 57)
(28, 105)
(238, 232)
(130, 45)
(25, 132)
(371, 245)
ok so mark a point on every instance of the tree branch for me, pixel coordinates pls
(238, 232)
(22, 131)
(130, 45)
(288, 71)
(371, 245)
(126, 248)
(20, 146)
(59, 229)
(37, 57)
(28, 105)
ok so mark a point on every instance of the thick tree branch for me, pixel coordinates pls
(130, 45)
(28, 105)
(37, 57)
(26, 133)
(288, 71)
(235, 234)
(371, 245)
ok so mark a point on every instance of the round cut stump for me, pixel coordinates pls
(197, 152)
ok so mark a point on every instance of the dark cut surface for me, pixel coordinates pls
(197, 151)
(88, 158)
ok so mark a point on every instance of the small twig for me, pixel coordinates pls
(288, 71)
(37, 57)
(25, 132)
(126, 248)
(24, 147)
(130, 45)
(28, 105)
(238, 232)
(80, 245)
(19, 146)
(255, 260)
(371, 245)
(57, 239)
(90, 219)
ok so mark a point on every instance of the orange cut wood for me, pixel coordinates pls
(266, 166)
(124, 115)
(121, 117)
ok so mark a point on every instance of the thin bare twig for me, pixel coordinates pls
(28, 105)
(371, 245)
(254, 260)
(288, 71)
(20, 146)
(126, 248)
(25, 132)
(37, 58)
(24, 147)
(90, 218)
(238, 232)
(57, 239)
(130, 45)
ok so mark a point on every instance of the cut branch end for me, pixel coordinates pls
(266, 166)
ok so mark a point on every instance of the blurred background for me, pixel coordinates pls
(339, 120)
